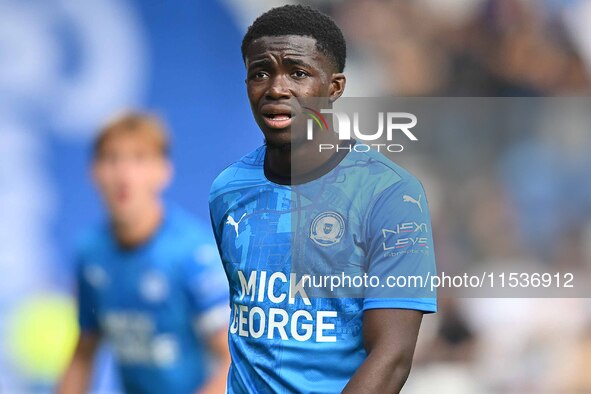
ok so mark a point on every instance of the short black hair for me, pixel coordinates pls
(301, 21)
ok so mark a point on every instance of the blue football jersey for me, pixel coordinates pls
(364, 216)
(156, 304)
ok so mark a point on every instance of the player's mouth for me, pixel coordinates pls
(121, 196)
(277, 120)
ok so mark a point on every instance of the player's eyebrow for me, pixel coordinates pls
(291, 61)
(266, 62)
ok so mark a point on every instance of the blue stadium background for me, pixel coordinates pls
(65, 66)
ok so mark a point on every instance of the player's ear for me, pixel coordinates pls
(246, 68)
(337, 86)
(167, 173)
(94, 170)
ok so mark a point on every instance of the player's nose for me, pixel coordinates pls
(279, 88)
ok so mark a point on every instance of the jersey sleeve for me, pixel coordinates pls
(214, 227)
(207, 289)
(400, 249)
(87, 312)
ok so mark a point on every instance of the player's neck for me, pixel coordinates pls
(138, 230)
(300, 159)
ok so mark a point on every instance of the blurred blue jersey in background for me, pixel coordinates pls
(156, 304)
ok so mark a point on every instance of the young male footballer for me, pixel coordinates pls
(147, 280)
(287, 209)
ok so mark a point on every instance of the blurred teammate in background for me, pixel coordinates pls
(148, 281)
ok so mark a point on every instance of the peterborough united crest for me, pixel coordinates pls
(327, 228)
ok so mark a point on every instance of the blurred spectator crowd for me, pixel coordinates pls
(514, 192)
(473, 47)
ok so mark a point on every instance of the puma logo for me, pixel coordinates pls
(235, 223)
(407, 198)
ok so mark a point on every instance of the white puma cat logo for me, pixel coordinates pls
(407, 198)
(235, 223)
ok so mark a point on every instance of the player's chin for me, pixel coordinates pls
(276, 135)
(279, 139)
(123, 210)
(120, 209)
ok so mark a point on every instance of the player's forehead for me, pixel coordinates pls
(129, 143)
(285, 46)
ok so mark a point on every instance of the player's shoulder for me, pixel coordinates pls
(182, 227)
(187, 239)
(242, 173)
(93, 241)
(379, 171)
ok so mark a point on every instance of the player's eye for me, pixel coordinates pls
(299, 74)
(109, 158)
(140, 157)
(258, 75)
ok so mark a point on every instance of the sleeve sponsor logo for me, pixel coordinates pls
(405, 235)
